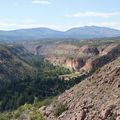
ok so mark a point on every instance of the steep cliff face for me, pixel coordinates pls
(75, 64)
(71, 63)
(73, 58)
(96, 98)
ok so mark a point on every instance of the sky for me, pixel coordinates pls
(59, 14)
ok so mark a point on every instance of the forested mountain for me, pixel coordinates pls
(92, 32)
(86, 32)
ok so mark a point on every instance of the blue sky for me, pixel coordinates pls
(58, 14)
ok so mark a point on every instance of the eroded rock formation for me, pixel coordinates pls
(86, 57)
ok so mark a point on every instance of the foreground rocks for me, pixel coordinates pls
(96, 98)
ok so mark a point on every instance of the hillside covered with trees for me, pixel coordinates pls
(25, 78)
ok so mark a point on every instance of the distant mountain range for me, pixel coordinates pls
(86, 32)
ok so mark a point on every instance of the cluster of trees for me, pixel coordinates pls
(44, 83)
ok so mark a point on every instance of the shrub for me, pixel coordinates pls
(45, 102)
(36, 115)
(16, 114)
(60, 108)
(29, 111)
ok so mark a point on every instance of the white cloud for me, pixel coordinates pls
(28, 20)
(42, 2)
(11, 25)
(93, 14)
(5, 24)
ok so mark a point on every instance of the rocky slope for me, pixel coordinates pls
(11, 65)
(96, 98)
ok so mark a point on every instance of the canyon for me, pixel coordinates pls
(76, 58)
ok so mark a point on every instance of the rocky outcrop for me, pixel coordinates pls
(96, 98)
(71, 63)
(71, 57)
(89, 50)
(111, 53)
